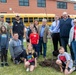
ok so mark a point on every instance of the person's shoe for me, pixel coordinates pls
(41, 53)
(6, 64)
(74, 63)
(27, 69)
(17, 62)
(45, 58)
(2, 64)
(75, 68)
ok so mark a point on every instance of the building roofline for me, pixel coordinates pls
(66, 1)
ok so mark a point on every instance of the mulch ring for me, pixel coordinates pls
(49, 63)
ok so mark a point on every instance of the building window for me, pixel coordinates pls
(3, 12)
(24, 2)
(62, 5)
(74, 6)
(3, 1)
(41, 3)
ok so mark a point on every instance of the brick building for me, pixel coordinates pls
(37, 6)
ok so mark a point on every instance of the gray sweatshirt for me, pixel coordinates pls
(15, 47)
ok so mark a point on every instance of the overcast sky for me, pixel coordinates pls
(73, 0)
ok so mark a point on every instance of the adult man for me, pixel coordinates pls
(18, 27)
(16, 49)
(65, 26)
(55, 35)
(43, 32)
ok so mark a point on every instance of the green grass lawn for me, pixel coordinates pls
(20, 70)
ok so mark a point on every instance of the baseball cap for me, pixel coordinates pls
(17, 15)
(1, 16)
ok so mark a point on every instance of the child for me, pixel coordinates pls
(34, 40)
(65, 62)
(29, 31)
(31, 61)
(3, 45)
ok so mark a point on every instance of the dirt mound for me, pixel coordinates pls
(49, 63)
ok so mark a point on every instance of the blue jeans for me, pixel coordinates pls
(36, 47)
(71, 51)
(74, 49)
(41, 43)
(64, 43)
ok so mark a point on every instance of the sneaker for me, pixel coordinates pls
(2, 64)
(45, 58)
(75, 68)
(74, 63)
(41, 53)
(27, 69)
(6, 64)
(17, 62)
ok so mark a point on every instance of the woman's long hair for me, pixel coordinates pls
(1, 31)
(35, 26)
(27, 51)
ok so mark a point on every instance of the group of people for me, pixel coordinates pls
(18, 52)
(62, 30)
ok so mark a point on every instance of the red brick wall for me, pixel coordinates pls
(51, 7)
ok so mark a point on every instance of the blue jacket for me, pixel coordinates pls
(4, 41)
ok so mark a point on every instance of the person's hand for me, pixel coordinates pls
(69, 45)
(37, 42)
(49, 32)
(24, 36)
(35, 66)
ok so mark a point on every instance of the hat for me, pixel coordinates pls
(17, 15)
(1, 16)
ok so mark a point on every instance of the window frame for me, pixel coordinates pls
(40, 19)
(26, 20)
(3, 1)
(8, 19)
(74, 6)
(31, 19)
(24, 3)
(61, 5)
(41, 3)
